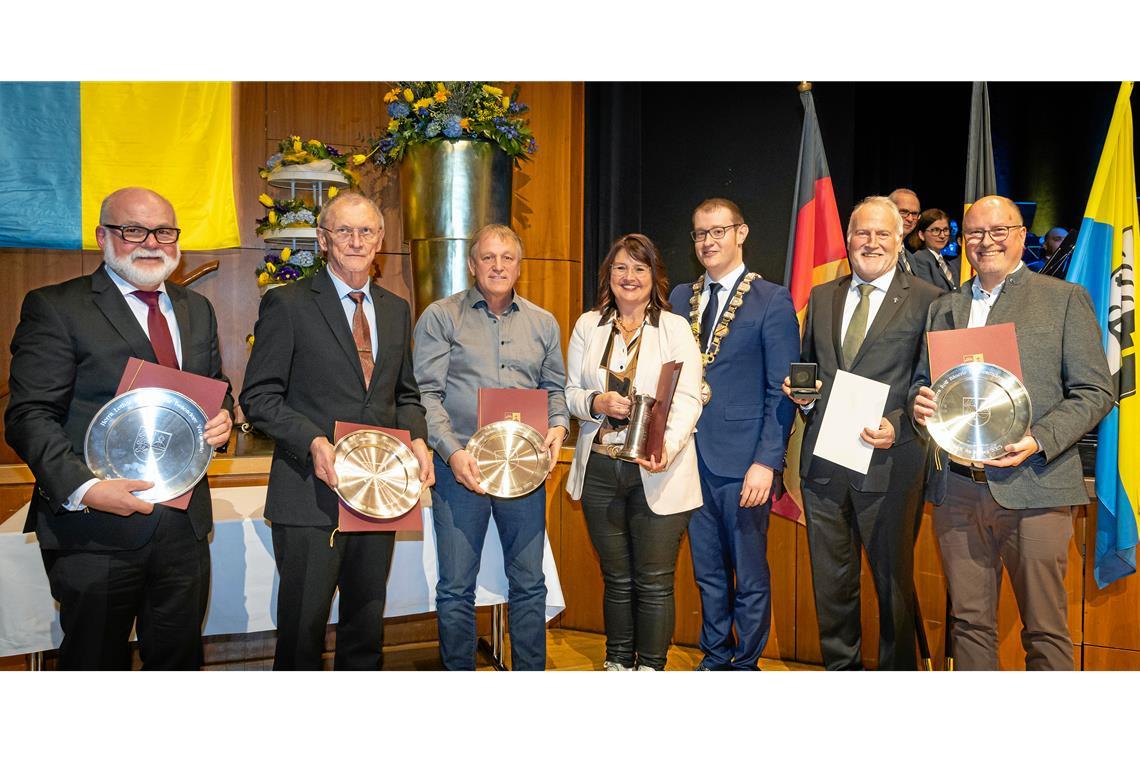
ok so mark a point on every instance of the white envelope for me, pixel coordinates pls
(853, 404)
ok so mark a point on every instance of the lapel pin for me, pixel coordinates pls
(895, 299)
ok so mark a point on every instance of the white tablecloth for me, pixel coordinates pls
(243, 585)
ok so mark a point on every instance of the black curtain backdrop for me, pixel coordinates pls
(656, 150)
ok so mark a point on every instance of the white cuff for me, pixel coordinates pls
(74, 502)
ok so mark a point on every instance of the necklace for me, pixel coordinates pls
(708, 357)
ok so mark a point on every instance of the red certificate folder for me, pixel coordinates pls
(992, 344)
(518, 404)
(206, 392)
(659, 414)
(354, 522)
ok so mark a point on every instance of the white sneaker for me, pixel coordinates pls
(615, 666)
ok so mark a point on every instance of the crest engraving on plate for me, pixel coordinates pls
(972, 406)
(148, 441)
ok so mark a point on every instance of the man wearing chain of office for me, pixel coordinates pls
(748, 334)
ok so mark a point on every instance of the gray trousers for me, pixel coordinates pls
(977, 536)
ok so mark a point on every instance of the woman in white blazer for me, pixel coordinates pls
(636, 512)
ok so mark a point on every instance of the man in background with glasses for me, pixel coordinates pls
(1015, 510)
(115, 562)
(333, 347)
(747, 331)
(488, 336)
(909, 209)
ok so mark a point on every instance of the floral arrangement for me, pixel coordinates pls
(421, 112)
(293, 151)
(285, 213)
(287, 266)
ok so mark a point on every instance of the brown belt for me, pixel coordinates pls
(609, 449)
(973, 473)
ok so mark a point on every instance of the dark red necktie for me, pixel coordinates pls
(158, 328)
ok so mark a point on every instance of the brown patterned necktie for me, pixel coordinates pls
(362, 336)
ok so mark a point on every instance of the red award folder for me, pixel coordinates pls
(350, 521)
(518, 404)
(206, 392)
(992, 344)
(659, 414)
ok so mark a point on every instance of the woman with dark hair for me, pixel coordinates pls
(933, 231)
(636, 512)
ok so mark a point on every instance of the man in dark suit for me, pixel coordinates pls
(747, 329)
(114, 562)
(910, 208)
(869, 323)
(332, 347)
(1016, 510)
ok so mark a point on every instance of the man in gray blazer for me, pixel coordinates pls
(1016, 510)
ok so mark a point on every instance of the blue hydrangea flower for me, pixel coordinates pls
(302, 258)
(399, 110)
(273, 161)
(433, 128)
(451, 128)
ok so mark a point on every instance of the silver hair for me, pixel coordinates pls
(501, 231)
(882, 202)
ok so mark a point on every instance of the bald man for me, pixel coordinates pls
(114, 562)
(1015, 510)
(1052, 241)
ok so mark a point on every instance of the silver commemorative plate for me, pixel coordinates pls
(510, 457)
(150, 434)
(981, 409)
(377, 475)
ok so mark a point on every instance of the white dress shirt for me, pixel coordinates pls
(722, 295)
(983, 301)
(876, 298)
(342, 291)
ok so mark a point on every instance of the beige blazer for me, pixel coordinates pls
(678, 488)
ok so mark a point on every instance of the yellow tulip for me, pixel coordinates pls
(297, 147)
(249, 338)
(272, 216)
(492, 90)
(408, 96)
(506, 102)
(262, 279)
(265, 200)
(270, 267)
(263, 173)
(314, 143)
(332, 192)
(286, 253)
(358, 159)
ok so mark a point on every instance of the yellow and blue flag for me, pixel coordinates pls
(64, 146)
(1104, 262)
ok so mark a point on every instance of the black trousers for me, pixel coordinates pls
(311, 571)
(161, 590)
(638, 553)
(839, 521)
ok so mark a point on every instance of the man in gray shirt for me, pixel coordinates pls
(487, 337)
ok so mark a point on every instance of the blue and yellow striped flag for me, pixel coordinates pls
(1104, 262)
(64, 146)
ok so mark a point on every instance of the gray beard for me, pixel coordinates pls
(126, 268)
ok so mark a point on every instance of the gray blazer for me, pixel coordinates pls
(1065, 371)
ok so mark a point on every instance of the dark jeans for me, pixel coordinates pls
(460, 519)
(165, 585)
(638, 553)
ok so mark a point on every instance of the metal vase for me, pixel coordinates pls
(449, 190)
(638, 431)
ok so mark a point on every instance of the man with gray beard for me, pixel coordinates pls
(114, 562)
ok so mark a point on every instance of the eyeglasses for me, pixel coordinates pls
(132, 234)
(716, 233)
(621, 270)
(344, 234)
(862, 237)
(938, 231)
(997, 234)
(909, 214)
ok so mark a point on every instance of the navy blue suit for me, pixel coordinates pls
(747, 421)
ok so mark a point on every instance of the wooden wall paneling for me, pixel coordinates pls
(782, 567)
(807, 624)
(249, 154)
(686, 598)
(579, 571)
(1111, 614)
(556, 287)
(1107, 658)
(26, 269)
(12, 498)
(342, 113)
(930, 585)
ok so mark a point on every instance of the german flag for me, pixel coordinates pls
(817, 253)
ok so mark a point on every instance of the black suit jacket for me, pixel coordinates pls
(68, 355)
(926, 268)
(889, 354)
(304, 375)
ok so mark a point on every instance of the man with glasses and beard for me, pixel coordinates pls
(114, 561)
(1016, 510)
